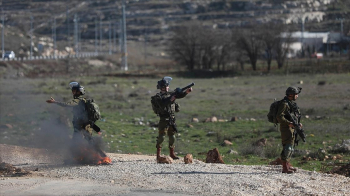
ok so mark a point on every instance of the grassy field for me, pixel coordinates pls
(129, 124)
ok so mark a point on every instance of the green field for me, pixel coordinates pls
(129, 124)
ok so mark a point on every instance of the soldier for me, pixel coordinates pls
(286, 110)
(164, 106)
(82, 127)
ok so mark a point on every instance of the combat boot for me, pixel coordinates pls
(158, 153)
(291, 167)
(172, 154)
(286, 168)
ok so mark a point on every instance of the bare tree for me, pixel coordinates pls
(249, 41)
(185, 45)
(282, 47)
(207, 48)
(270, 36)
(224, 49)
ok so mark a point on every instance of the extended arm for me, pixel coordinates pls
(71, 103)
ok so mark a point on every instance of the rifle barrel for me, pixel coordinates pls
(188, 86)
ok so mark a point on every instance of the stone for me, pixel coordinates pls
(213, 156)
(233, 119)
(195, 120)
(232, 152)
(188, 159)
(165, 159)
(213, 119)
(227, 143)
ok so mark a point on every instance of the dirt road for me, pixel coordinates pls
(140, 175)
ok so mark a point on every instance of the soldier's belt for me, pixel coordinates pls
(166, 116)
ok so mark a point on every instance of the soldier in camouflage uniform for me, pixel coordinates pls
(168, 107)
(286, 110)
(82, 127)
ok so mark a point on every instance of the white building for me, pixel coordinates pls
(320, 42)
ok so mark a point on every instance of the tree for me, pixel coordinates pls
(207, 48)
(282, 47)
(224, 49)
(249, 41)
(270, 36)
(199, 47)
(184, 45)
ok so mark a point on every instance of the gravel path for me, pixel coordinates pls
(140, 175)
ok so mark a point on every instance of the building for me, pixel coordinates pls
(309, 43)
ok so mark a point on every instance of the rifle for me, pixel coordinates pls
(179, 91)
(297, 131)
(95, 127)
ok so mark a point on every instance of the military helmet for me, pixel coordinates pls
(164, 82)
(293, 90)
(76, 86)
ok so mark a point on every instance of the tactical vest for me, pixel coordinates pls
(161, 109)
(293, 109)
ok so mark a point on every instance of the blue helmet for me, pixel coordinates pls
(76, 86)
(164, 82)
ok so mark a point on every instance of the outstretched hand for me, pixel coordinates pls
(173, 98)
(189, 90)
(51, 100)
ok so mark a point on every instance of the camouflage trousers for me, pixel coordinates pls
(287, 136)
(163, 130)
(82, 132)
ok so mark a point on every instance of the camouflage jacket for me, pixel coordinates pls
(80, 117)
(287, 107)
(169, 107)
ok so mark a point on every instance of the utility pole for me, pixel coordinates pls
(120, 35)
(124, 52)
(96, 33)
(100, 34)
(302, 35)
(145, 46)
(114, 37)
(341, 25)
(110, 37)
(2, 30)
(54, 36)
(79, 37)
(76, 34)
(31, 36)
(68, 33)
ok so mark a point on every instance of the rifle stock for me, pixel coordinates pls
(297, 131)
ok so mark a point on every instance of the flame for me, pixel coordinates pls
(90, 155)
(104, 161)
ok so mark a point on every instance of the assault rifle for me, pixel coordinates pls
(179, 91)
(297, 131)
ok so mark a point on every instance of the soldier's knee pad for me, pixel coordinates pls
(160, 140)
(287, 150)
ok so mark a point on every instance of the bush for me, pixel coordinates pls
(272, 151)
(249, 149)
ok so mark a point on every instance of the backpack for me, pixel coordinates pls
(271, 116)
(92, 109)
(155, 104)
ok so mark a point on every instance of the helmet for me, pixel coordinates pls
(164, 82)
(293, 90)
(76, 86)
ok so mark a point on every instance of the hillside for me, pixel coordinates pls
(149, 22)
